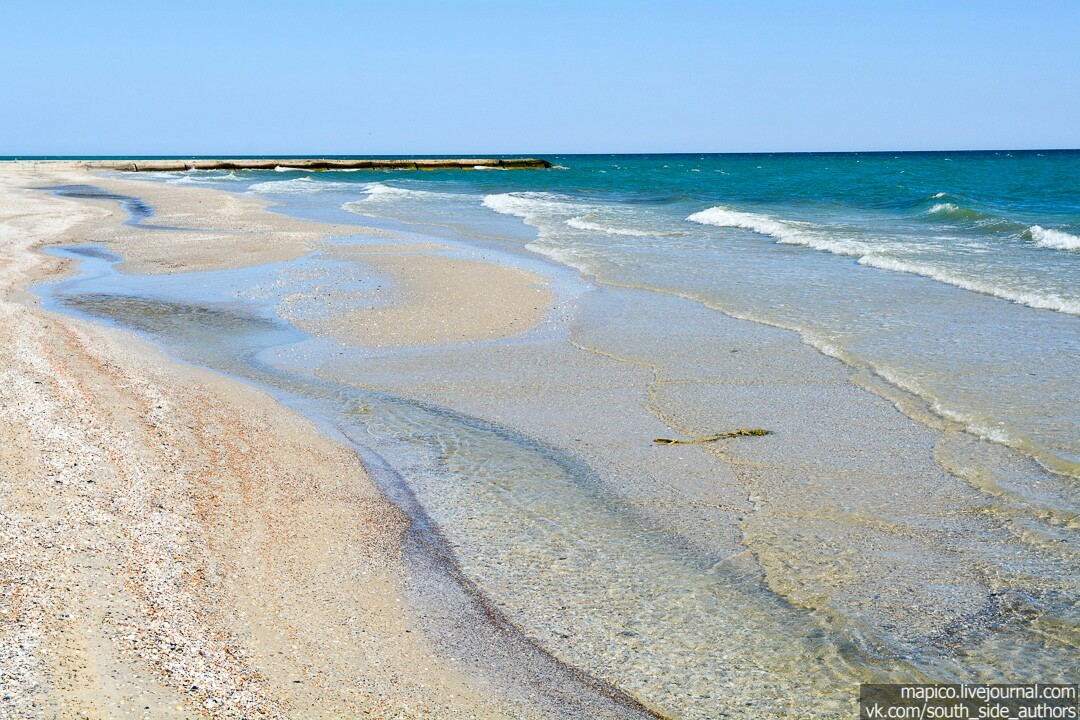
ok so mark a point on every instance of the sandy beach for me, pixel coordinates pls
(539, 361)
(178, 544)
(289, 444)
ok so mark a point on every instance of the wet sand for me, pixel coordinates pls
(533, 518)
(178, 544)
(437, 300)
(194, 228)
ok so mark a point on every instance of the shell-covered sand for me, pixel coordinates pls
(178, 544)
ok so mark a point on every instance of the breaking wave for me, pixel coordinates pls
(786, 232)
(196, 177)
(1041, 301)
(529, 205)
(297, 186)
(952, 211)
(809, 235)
(377, 192)
(537, 208)
(1056, 239)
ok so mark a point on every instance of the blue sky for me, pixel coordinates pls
(419, 76)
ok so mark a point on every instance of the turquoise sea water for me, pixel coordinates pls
(955, 276)
(697, 294)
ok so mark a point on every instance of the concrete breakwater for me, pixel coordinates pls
(151, 164)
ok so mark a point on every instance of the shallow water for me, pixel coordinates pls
(852, 544)
(954, 275)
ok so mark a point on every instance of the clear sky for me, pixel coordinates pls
(440, 76)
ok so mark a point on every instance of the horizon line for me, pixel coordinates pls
(295, 156)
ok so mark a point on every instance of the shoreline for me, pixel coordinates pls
(209, 641)
(746, 505)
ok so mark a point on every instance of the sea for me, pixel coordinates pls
(906, 327)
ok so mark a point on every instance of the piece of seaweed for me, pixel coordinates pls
(711, 438)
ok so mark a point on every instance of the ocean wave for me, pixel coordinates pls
(957, 213)
(538, 208)
(550, 214)
(972, 425)
(921, 203)
(786, 232)
(576, 258)
(190, 178)
(580, 223)
(302, 185)
(293, 168)
(297, 186)
(542, 209)
(1056, 239)
(952, 211)
(529, 205)
(378, 190)
(1040, 301)
(377, 194)
(949, 208)
(798, 233)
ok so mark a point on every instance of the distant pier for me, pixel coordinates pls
(150, 164)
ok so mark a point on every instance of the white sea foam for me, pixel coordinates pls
(547, 212)
(539, 208)
(381, 199)
(785, 231)
(580, 223)
(1041, 301)
(761, 224)
(377, 191)
(793, 233)
(953, 211)
(508, 204)
(994, 434)
(190, 178)
(981, 429)
(529, 205)
(577, 258)
(898, 380)
(298, 186)
(1057, 239)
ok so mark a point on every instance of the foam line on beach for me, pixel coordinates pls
(789, 232)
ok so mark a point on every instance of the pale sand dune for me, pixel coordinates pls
(181, 544)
